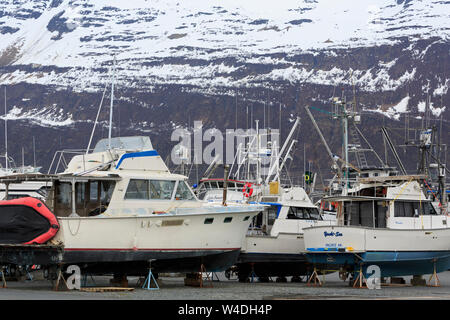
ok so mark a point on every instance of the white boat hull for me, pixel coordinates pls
(155, 237)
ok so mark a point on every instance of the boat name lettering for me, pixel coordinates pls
(332, 233)
(333, 245)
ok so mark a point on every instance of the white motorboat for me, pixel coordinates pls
(274, 243)
(119, 207)
(387, 222)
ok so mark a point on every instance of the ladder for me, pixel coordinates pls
(359, 154)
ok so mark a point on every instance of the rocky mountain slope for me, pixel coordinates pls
(177, 62)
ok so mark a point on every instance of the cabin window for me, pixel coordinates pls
(93, 192)
(227, 219)
(246, 218)
(80, 193)
(137, 189)
(413, 209)
(106, 191)
(303, 213)
(150, 189)
(161, 189)
(44, 191)
(91, 197)
(183, 192)
(209, 220)
(272, 215)
(64, 193)
(365, 213)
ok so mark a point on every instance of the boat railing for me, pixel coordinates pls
(60, 159)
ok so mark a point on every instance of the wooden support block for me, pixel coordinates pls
(106, 289)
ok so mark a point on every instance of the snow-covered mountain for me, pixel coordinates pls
(177, 55)
(82, 36)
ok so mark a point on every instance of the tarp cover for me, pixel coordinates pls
(21, 224)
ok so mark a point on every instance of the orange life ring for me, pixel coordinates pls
(247, 190)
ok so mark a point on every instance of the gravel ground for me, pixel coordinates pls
(173, 288)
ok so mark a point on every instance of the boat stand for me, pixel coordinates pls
(252, 273)
(214, 275)
(208, 278)
(84, 281)
(360, 279)
(314, 277)
(60, 276)
(2, 271)
(437, 283)
(148, 281)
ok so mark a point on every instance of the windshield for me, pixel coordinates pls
(125, 143)
(183, 192)
(304, 213)
(413, 209)
(140, 189)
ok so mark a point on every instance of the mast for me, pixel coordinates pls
(112, 101)
(34, 153)
(6, 136)
(258, 163)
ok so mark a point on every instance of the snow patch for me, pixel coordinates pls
(45, 117)
(394, 111)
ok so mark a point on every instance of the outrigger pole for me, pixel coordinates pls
(324, 141)
(286, 143)
(6, 136)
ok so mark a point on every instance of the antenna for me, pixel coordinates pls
(279, 125)
(96, 120)
(236, 111)
(112, 101)
(354, 93)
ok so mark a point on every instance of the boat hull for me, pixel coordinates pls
(395, 252)
(269, 256)
(391, 264)
(174, 243)
(272, 265)
(188, 262)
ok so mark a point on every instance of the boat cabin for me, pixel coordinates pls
(387, 204)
